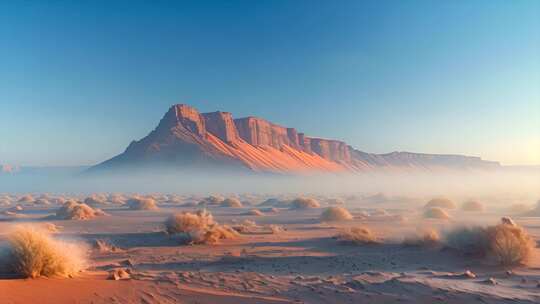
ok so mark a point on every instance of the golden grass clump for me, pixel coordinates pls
(507, 242)
(72, 210)
(440, 202)
(33, 253)
(429, 238)
(187, 221)
(200, 227)
(436, 213)
(357, 236)
(304, 203)
(510, 244)
(473, 206)
(231, 202)
(142, 203)
(332, 214)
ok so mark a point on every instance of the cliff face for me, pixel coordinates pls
(185, 137)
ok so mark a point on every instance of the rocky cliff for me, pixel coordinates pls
(187, 138)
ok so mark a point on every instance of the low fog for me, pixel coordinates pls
(519, 185)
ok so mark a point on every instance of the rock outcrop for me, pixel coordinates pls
(186, 138)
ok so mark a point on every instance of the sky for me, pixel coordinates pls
(79, 80)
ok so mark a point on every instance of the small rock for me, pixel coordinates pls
(469, 274)
(490, 281)
(119, 274)
(509, 272)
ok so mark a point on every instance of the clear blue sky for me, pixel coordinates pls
(80, 79)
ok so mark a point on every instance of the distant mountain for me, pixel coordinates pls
(187, 139)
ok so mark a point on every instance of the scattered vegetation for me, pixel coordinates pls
(436, 213)
(231, 202)
(304, 203)
(200, 227)
(357, 236)
(72, 210)
(335, 214)
(33, 253)
(507, 242)
(440, 202)
(142, 203)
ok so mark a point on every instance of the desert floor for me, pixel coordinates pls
(303, 264)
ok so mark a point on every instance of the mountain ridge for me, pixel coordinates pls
(185, 138)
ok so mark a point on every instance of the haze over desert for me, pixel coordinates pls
(309, 151)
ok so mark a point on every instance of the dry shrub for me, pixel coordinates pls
(436, 213)
(441, 202)
(72, 210)
(142, 203)
(304, 203)
(5, 202)
(231, 202)
(474, 206)
(335, 214)
(200, 227)
(34, 253)
(357, 235)
(26, 199)
(186, 221)
(429, 238)
(507, 242)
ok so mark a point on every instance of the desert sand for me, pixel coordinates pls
(287, 255)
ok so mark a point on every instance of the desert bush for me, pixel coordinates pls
(142, 203)
(187, 221)
(304, 203)
(429, 238)
(200, 227)
(436, 213)
(231, 202)
(507, 242)
(26, 199)
(472, 206)
(440, 202)
(335, 214)
(357, 235)
(33, 253)
(72, 210)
